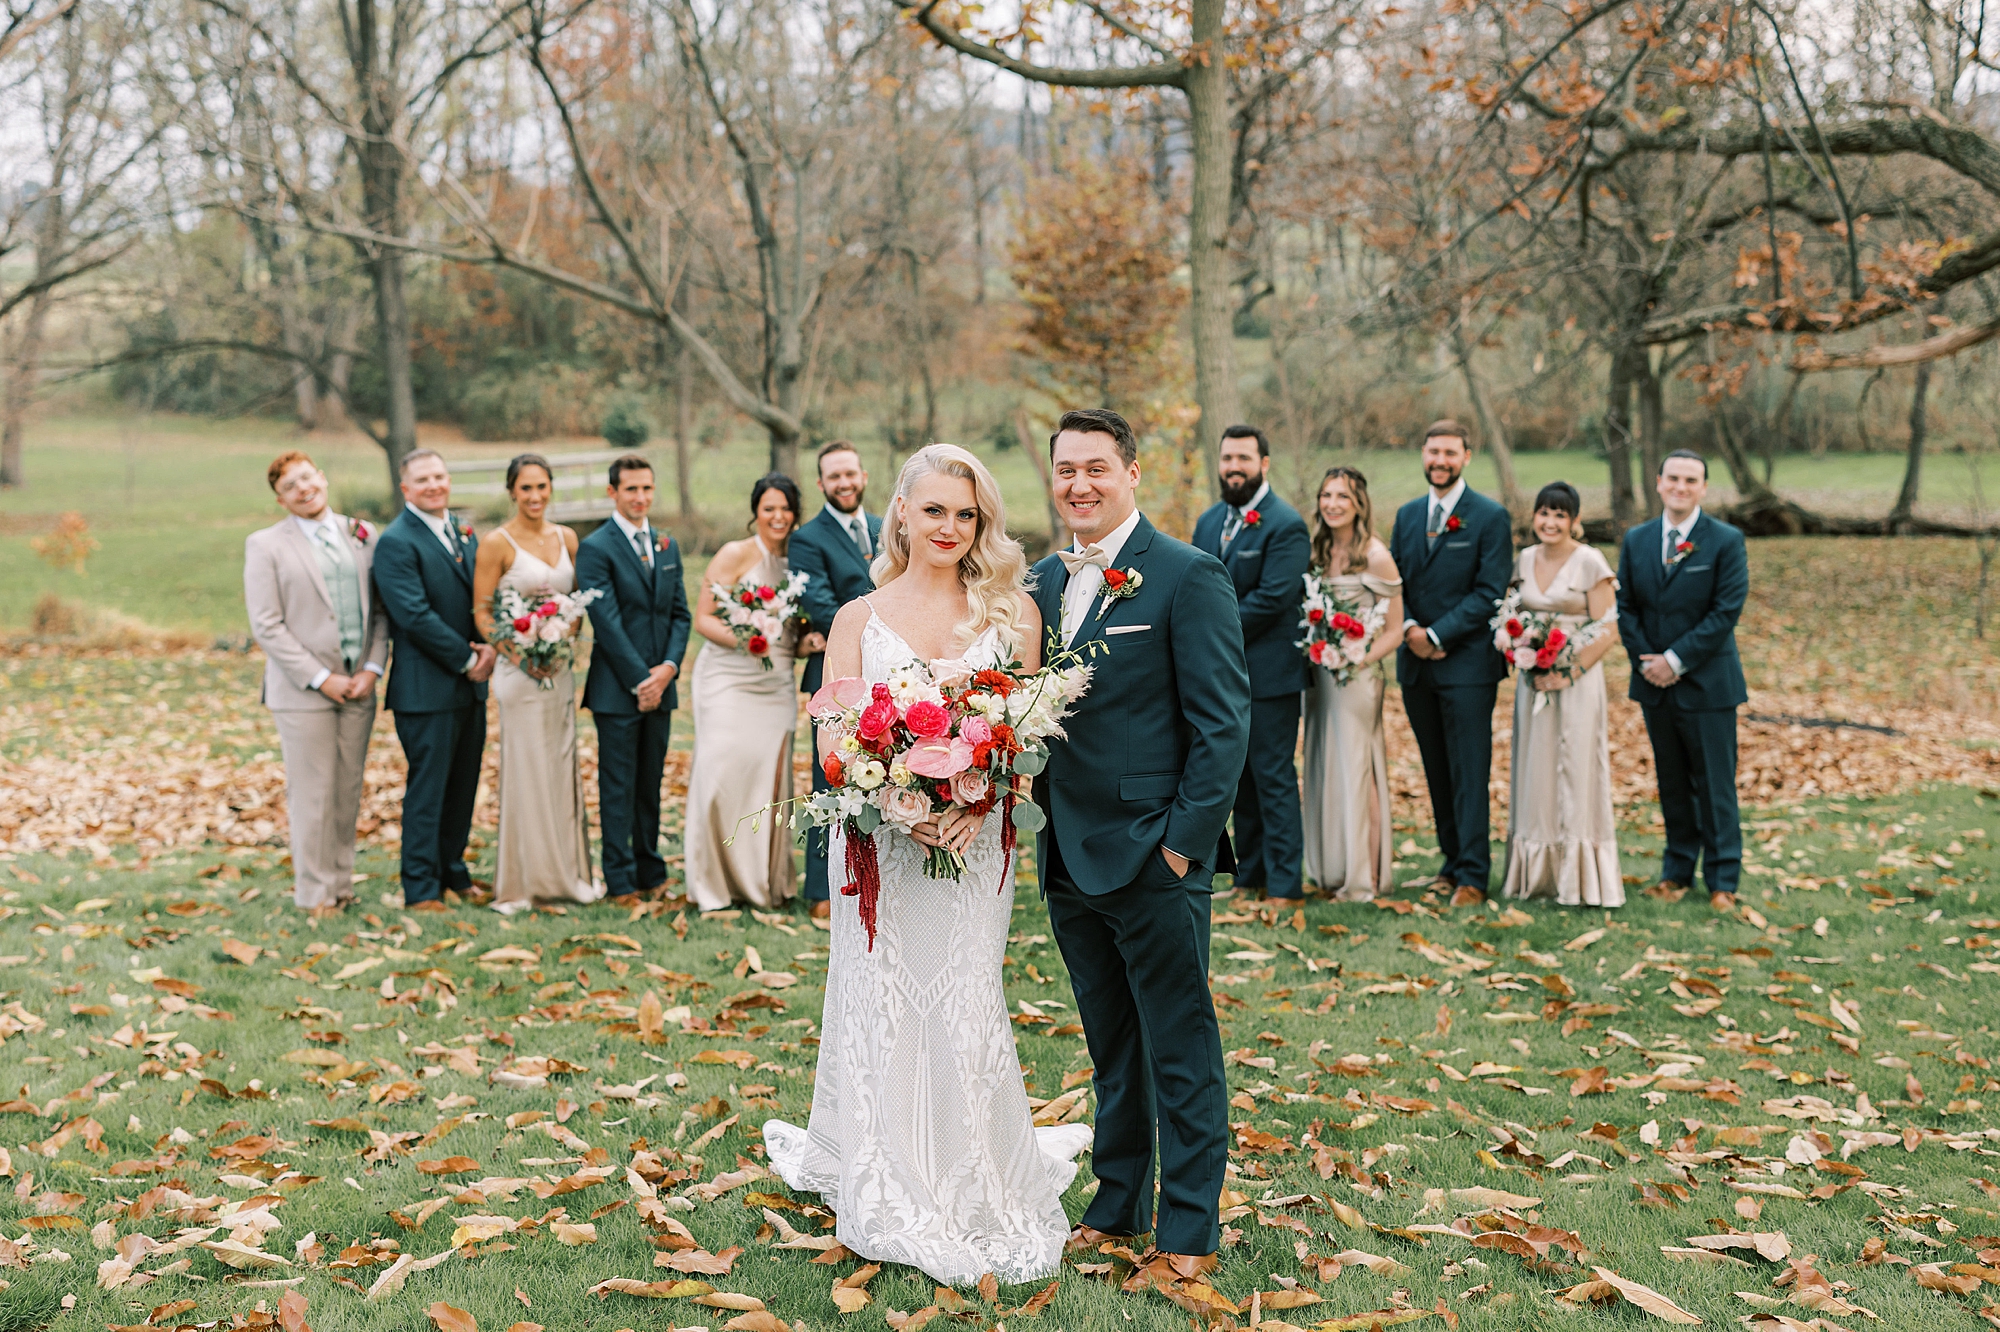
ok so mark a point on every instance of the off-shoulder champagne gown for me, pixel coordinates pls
(1562, 838)
(744, 717)
(1349, 847)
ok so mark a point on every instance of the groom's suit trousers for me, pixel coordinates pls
(325, 751)
(443, 749)
(1138, 963)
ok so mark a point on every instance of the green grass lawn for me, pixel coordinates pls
(171, 498)
(1408, 1051)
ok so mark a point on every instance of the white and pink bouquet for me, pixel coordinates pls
(540, 626)
(1535, 642)
(1338, 633)
(928, 740)
(760, 614)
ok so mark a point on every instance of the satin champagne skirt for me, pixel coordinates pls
(1349, 841)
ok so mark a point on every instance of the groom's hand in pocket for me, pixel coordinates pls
(1177, 863)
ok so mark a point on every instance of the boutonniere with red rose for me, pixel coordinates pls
(358, 531)
(1118, 585)
(1681, 551)
(465, 530)
(1451, 524)
(1251, 517)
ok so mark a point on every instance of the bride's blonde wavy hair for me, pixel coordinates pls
(992, 572)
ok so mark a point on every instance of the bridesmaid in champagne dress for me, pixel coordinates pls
(1561, 836)
(1346, 805)
(544, 824)
(744, 717)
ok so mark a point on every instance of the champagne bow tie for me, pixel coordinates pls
(1073, 561)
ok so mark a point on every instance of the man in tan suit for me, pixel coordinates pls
(312, 609)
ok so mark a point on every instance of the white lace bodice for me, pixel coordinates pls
(883, 649)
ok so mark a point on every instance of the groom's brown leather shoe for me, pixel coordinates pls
(1083, 1238)
(1466, 896)
(822, 910)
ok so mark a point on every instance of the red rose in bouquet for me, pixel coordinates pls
(927, 720)
(757, 645)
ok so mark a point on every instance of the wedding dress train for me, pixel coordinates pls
(920, 1138)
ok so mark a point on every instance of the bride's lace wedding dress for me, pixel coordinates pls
(920, 1138)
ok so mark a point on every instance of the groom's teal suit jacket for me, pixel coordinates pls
(1156, 746)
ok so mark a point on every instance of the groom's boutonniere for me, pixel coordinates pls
(358, 530)
(465, 530)
(1119, 584)
(1681, 551)
(1451, 524)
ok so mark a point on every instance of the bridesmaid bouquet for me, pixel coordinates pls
(1338, 633)
(758, 614)
(540, 626)
(1536, 644)
(926, 741)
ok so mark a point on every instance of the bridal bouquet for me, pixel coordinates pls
(1337, 638)
(1535, 642)
(928, 740)
(540, 625)
(758, 614)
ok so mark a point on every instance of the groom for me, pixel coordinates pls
(1682, 580)
(1136, 798)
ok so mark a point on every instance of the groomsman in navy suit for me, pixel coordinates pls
(640, 627)
(1682, 580)
(834, 551)
(1455, 548)
(1263, 543)
(437, 677)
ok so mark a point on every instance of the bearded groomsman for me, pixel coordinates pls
(306, 584)
(437, 684)
(834, 551)
(1263, 543)
(1682, 580)
(1455, 548)
(641, 626)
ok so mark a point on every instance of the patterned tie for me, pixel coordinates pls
(1673, 540)
(1231, 526)
(644, 547)
(857, 527)
(1437, 521)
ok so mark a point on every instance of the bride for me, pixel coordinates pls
(920, 1137)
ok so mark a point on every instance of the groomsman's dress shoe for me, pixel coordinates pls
(1723, 902)
(1466, 895)
(823, 910)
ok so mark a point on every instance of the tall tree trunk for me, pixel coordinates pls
(1651, 423)
(683, 413)
(378, 152)
(23, 370)
(1492, 430)
(1913, 466)
(1207, 88)
(305, 388)
(1033, 448)
(1627, 368)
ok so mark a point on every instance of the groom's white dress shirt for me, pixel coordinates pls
(1087, 582)
(1672, 534)
(327, 527)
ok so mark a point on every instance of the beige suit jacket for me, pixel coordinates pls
(292, 615)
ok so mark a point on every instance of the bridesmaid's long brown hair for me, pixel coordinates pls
(1364, 524)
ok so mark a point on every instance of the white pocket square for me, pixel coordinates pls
(1126, 629)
